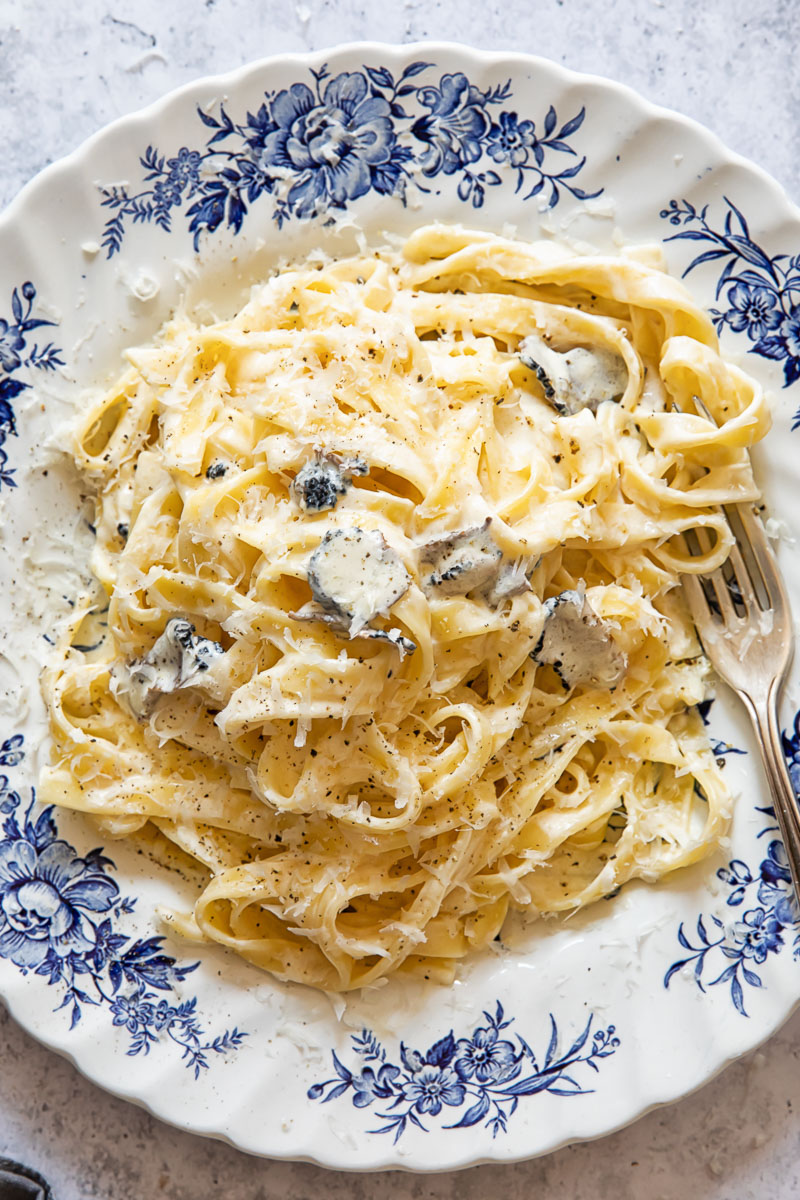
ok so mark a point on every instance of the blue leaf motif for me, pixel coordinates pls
(45, 830)
(341, 1069)
(529, 1086)
(206, 118)
(442, 1052)
(412, 1060)
(580, 1040)
(709, 256)
(571, 172)
(474, 1114)
(751, 253)
(673, 970)
(572, 126)
(416, 68)
(756, 278)
(692, 236)
(770, 347)
(551, 1049)
(739, 216)
(380, 76)
(737, 995)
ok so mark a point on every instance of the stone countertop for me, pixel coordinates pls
(66, 70)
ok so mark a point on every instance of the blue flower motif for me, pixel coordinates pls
(168, 192)
(11, 342)
(180, 174)
(758, 934)
(484, 1056)
(162, 1015)
(332, 148)
(132, 1012)
(455, 127)
(44, 895)
(369, 1086)
(431, 1087)
(185, 168)
(511, 139)
(754, 309)
(775, 889)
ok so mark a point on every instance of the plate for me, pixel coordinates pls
(588, 1022)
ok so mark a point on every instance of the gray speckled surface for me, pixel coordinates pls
(65, 70)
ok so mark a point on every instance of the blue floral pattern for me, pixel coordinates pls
(719, 749)
(764, 929)
(762, 293)
(316, 147)
(488, 1071)
(57, 919)
(17, 355)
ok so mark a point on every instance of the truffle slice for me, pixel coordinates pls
(178, 659)
(578, 644)
(318, 485)
(355, 575)
(312, 612)
(460, 562)
(512, 580)
(577, 379)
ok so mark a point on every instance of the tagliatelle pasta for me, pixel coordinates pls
(395, 640)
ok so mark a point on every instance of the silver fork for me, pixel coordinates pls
(744, 621)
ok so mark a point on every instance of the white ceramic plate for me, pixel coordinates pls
(588, 1022)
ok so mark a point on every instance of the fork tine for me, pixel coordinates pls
(763, 555)
(758, 545)
(743, 579)
(696, 599)
(703, 409)
(718, 582)
(757, 677)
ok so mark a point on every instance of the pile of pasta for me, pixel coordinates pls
(352, 809)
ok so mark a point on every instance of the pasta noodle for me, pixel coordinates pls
(395, 641)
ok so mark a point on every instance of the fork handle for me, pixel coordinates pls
(764, 715)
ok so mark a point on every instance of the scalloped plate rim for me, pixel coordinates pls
(393, 52)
